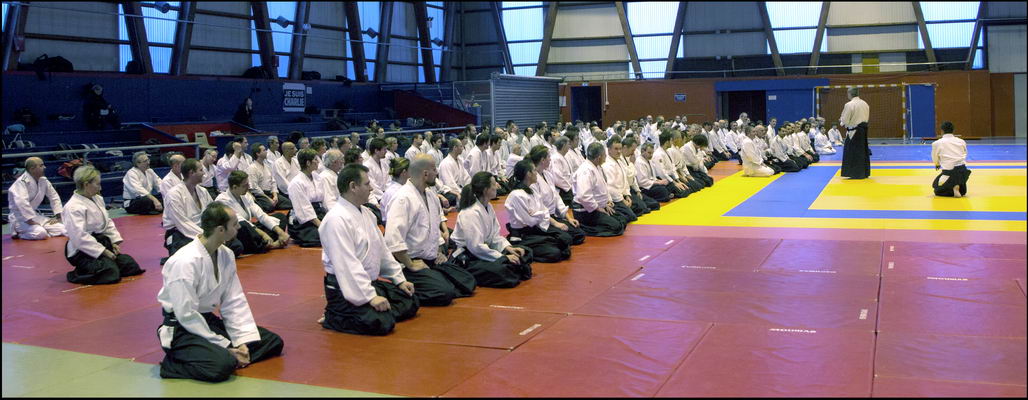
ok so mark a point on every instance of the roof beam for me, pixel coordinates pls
(449, 24)
(353, 28)
(620, 6)
(775, 56)
(501, 35)
(264, 42)
(544, 52)
(676, 37)
(183, 37)
(382, 54)
(298, 46)
(427, 61)
(14, 39)
(137, 35)
(976, 35)
(815, 53)
(928, 50)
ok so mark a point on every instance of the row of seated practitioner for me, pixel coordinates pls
(339, 197)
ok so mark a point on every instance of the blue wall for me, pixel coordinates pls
(165, 99)
(794, 98)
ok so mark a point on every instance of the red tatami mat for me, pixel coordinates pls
(936, 266)
(748, 361)
(844, 257)
(371, 364)
(774, 312)
(588, 357)
(971, 307)
(554, 287)
(479, 327)
(904, 387)
(952, 358)
(635, 242)
(720, 253)
(127, 335)
(759, 283)
(957, 250)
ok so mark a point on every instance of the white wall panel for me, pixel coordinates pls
(872, 38)
(217, 63)
(589, 71)
(587, 21)
(217, 36)
(713, 15)
(892, 62)
(1006, 48)
(83, 22)
(237, 7)
(731, 44)
(590, 53)
(327, 13)
(319, 43)
(870, 12)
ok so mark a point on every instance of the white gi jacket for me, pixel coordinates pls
(168, 182)
(413, 223)
(302, 192)
(182, 213)
(575, 159)
(591, 187)
(225, 166)
(262, 178)
(549, 196)
(138, 183)
(190, 289)
(752, 159)
(378, 173)
(478, 231)
(352, 249)
(949, 151)
(452, 176)
(512, 160)
(693, 157)
(26, 194)
(412, 152)
(617, 182)
(476, 161)
(208, 175)
(648, 172)
(84, 216)
(328, 186)
(284, 172)
(247, 209)
(630, 172)
(524, 210)
(387, 197)
(560, 172)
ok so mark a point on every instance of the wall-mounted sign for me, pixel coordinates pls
(772, 97)
(680, 97)
(294, 97)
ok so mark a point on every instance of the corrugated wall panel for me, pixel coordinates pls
(711, 15)
(870, 12)
(732, 44)
(1006, 48)
(587, 21)
(872, 38)
(527, 101)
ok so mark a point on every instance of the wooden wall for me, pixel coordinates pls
(980, 104)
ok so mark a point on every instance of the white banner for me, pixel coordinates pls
(294, 97)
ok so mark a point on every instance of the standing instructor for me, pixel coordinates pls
(856, 156)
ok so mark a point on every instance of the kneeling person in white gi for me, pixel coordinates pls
(94, 244)
(25, 195)
(414, 233)
(355, 256)
(198, 279)
(258, 231)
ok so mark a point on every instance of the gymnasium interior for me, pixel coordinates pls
(800, 284)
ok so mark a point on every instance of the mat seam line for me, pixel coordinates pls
(685, 358)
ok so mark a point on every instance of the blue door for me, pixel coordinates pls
(921, 110)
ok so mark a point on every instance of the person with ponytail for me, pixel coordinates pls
(529, 223)
(550, 197)
(398, 171)
(480, 249)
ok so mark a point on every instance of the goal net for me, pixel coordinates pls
(886, 102)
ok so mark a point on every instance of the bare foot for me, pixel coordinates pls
(956, 191)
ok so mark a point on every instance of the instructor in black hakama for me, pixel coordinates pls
(856, 155)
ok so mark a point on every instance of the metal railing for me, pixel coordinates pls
(102, 149)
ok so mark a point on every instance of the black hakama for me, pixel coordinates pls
(306, 234)
(343, 316)
(548, 246)
(144, 206)
(957, 176)
(597, 223)
(856, 155)
(101, 270)
(499, 273)
(193, 357)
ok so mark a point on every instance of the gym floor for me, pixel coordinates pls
(801, 284)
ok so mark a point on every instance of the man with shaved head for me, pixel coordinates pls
(25, 195)
(416, 234)
(174, 176)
